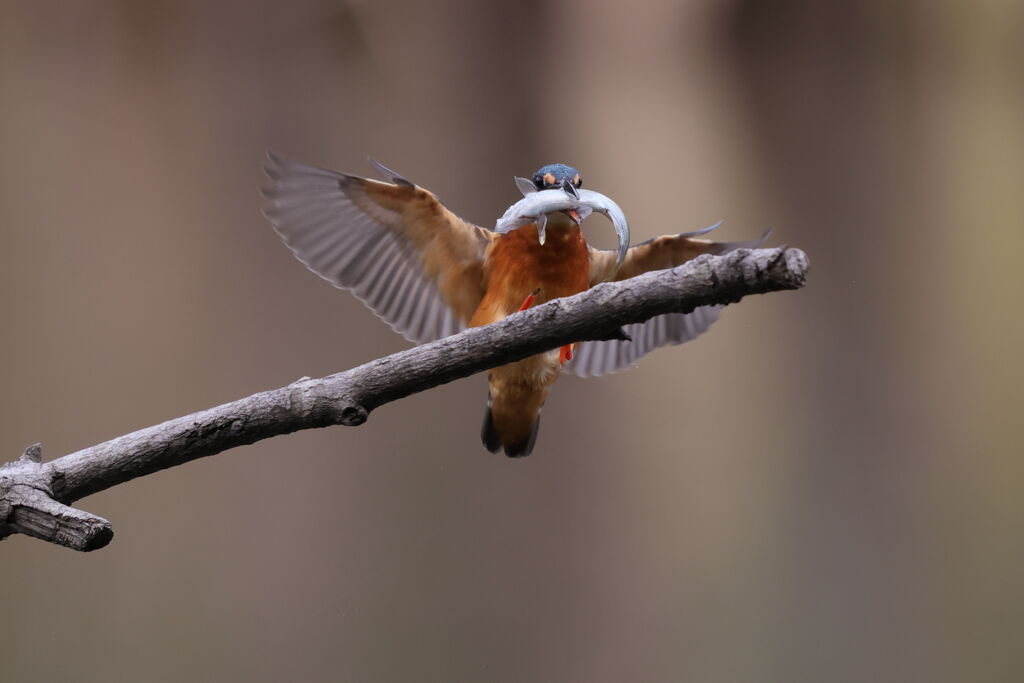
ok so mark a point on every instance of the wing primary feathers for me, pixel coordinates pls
(595, 358)
(726, 247)
(355, 261)
(703, 231)
(390, 305)
(379, 241)
(389, 175)
(379, 282)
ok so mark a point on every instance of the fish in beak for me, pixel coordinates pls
(576, 203)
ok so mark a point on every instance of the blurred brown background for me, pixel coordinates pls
(827, 486)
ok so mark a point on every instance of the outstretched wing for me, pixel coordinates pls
(659, 253)
(594, 358)
(414, 263)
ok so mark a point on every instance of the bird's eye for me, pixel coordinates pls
(538, 180)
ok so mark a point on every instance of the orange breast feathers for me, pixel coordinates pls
(517, 265)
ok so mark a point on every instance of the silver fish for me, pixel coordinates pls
(604, 204)
(536, 204)
(534, 207)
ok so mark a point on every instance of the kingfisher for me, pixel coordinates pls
(429, 274)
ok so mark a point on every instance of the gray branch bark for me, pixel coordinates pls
(35, 496)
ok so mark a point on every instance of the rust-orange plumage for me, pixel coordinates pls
(428, 274)
(518, 267)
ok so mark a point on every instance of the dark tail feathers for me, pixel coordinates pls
(492, 440)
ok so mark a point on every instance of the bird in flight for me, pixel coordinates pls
(429, 274)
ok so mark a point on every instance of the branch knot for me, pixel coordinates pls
(27, 506)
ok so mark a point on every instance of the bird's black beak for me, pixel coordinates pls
(570, 189)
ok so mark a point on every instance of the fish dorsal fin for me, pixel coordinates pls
(525, 186)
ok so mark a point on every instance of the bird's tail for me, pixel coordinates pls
(515, 431)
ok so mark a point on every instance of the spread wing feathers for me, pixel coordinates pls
(659, 253)
(413, 262)
(600, 358)
(595, 358)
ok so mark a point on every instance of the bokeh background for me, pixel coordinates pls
(827, 486)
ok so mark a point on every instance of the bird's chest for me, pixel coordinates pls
(518, 265)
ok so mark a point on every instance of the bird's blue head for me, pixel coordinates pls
(552, 176)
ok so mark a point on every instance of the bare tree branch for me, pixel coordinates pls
(34, 496)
